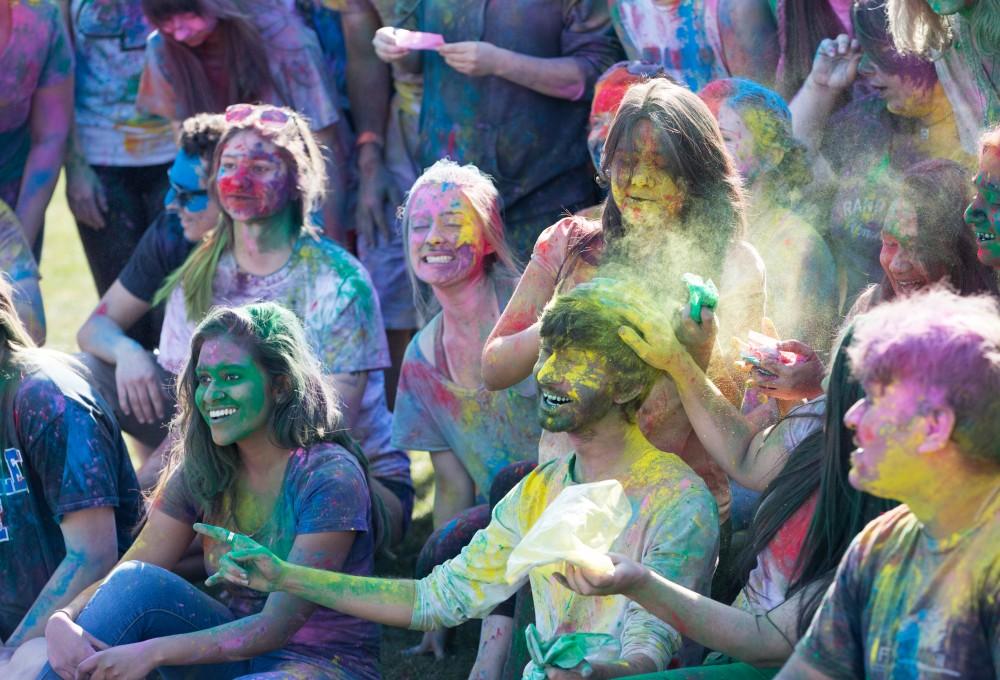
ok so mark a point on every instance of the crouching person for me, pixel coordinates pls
(915, 595)
(590, 386)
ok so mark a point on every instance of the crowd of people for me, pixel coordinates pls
(694, 305)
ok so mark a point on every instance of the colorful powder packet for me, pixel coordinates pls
(701, 293)
(417, 40)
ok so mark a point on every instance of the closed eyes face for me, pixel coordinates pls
(253, 181)
(233, 393)
(189, 28)
(643, 188)
(445, 236)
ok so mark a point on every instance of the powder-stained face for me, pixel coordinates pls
(254, 181)
(983, 214)
(888, 429)
(575, 388)
(945, 7)
(445, 236)
(188, 196)
(189, 28)
(645, 192)
(740, 143)
(898, 256)
(233, 394)
(907, 88)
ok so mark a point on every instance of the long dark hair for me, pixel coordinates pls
(246, 62)
(691, 144)
(304, 414)
(802, 25)
(841, 510)
(939, 191)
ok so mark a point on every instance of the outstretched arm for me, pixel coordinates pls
(386, 601)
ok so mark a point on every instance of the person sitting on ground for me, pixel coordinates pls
(983, 213)
(18, 266)
(268, 178)
(125, 372)
(456, 246)
(69, 499)
(259, 449)
(916, 592)
(756, 125)
(591, 386)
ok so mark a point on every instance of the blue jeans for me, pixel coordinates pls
(139, 601)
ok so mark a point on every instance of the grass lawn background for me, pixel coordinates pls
(70, 295)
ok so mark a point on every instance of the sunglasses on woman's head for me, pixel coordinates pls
(266, 115)
(192, 201)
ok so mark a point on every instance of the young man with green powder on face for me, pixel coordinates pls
(915, 595)
(591, 385)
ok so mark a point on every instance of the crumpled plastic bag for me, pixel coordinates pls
(567, 651)
(579, 526)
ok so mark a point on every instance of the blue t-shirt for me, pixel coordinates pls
(323, 490)
(62, 452)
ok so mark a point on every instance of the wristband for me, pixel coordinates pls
(369, 137)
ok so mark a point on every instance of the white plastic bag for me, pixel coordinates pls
(579, 526)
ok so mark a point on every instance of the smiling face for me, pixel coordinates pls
(641, 184)
(889, 430)
(898, 256)
(189, 28)
(983, 214)
(575, 388)
(446, 241)
(907, 89)
(254, 181)
(188, 196)
(233, 393)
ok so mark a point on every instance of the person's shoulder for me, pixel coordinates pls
(51, 382)
(323, 463)
(666, 476)
(324, 256)
(888, 530)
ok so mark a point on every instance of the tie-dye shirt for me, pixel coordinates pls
(674, 530)
(37, 55)
(62, 453)
(487, 430)
(904, 605)
(669, 33)
(332, 295)
(323, 490)
(109, 42)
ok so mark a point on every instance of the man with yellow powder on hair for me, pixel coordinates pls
(591, 385)
(916, 594)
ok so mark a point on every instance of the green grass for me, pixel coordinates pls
(70, 295)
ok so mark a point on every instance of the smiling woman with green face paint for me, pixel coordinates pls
(262, 453)
(983, 213)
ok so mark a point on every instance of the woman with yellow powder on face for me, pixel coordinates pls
(675, 206)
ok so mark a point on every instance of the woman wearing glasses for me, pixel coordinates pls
(125, 372)
(268, 178)
(209, 54)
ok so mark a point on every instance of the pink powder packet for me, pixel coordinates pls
(417, 40)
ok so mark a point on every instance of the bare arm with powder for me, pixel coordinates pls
(335, 155)
(746, 454)
(754, 639)
(244, 638)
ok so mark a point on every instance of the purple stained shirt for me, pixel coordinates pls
(323, 490)
(332, 294)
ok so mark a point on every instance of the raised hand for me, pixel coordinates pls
(248, 564)
(835, 65)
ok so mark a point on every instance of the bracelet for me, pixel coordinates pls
(64, 611)
(369, 137)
